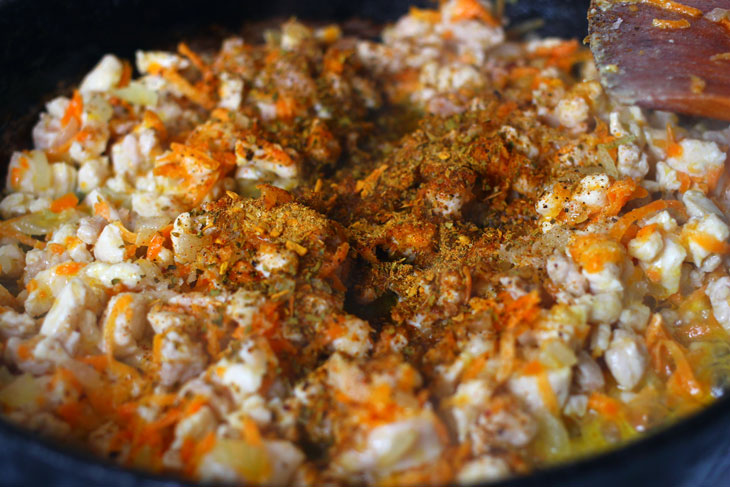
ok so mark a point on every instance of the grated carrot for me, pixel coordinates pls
(57, 153)
(65, 202)
(665, 352)
(67, 377)
(199, 156)
(647, 231)
(682, 379)
(335, 330)
(151, 120)
(706, 241)
(127, 235)
(251, 433)
(474, 368)
(428, 15)
(199, 450)
(166, 230)
(155, 247)
(69, 268)
(713, 177)
(547, 394)
(187, 450)
(505, 109)
(191, 92)
(212, 340)
(194, 58)
(286, 107)
(130, 251)
(157, 348)
(75, 109)
(73, 413)
(334, 61)
(620, 227)
(593, 251)
(673, 147)
(331, 265)
(24, 351)
(604, 405)
(17, 173)
(472, 10)
(101, 208)
(685, 181)
(126, 76)
(533, 367)
(83, 135)
(55, 248)
(381, 397)
(620, 193)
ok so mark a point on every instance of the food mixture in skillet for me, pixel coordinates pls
(316, 259)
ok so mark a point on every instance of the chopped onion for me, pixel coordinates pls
(607, 162)
(42, 222)
(626, 139)
(553, 442)
(249, 461)
(556, 354)
(22, 393)
(136, 94)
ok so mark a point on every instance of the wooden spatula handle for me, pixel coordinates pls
(663, 54)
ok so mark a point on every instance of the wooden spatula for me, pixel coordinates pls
(663, 54)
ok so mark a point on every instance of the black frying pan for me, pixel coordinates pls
(47, 45)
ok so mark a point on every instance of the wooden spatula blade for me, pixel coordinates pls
(665, 55)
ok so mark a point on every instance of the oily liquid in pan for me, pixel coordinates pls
(440, 258)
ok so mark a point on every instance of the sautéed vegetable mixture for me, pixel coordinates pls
(314, 258)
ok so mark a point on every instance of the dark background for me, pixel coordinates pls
(46, 46)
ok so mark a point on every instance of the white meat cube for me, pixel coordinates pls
(109, 246)
(92, 174)
(104, 76)
(483, 469)
(126, 316)
(698, 158)
(626, 359)
(719, 293)
(12, 261)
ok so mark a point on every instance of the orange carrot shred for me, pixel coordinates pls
(126, 76)
(17, 173)
(604, 405)
(251, 432)
(620, 227)
(69, 268)
(194, 58)
(155, 247)
(472, 10)
(187, 89)
(65, 202)
(75, 109)
(24, 352)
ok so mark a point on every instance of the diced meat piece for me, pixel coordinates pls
(626, 359)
